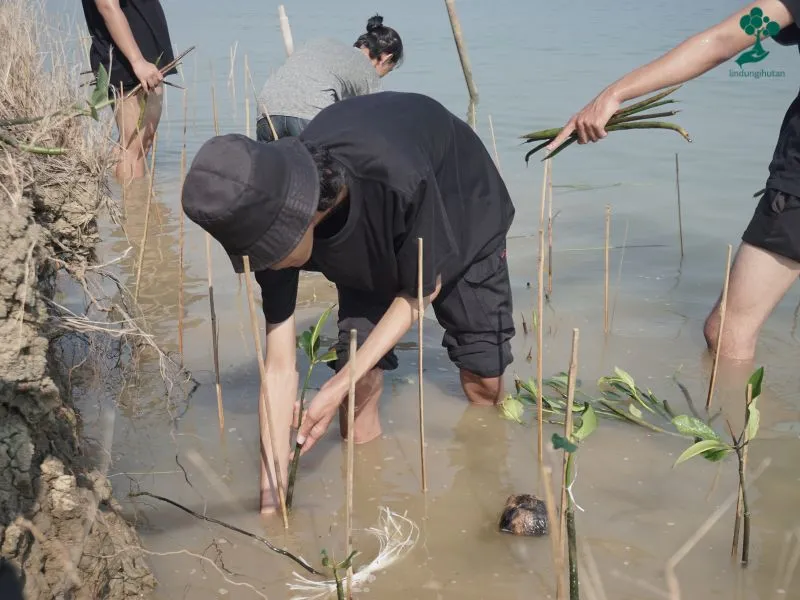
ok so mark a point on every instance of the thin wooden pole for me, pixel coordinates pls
(146, 216)
(571, 382)
(246, 97)
(420, 318)
(494, 145)
(605, 285)
(264, 400)
(550, 232)
(540, 315)
(214, 329)
(556, 542)
(722, 310)
(181, 237)
(678, 190)
(461, 46)
(286, 30)
(351, 412)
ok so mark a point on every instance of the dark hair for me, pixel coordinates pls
(331, 175)
(380, 39)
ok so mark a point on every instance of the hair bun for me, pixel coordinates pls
(374, 23)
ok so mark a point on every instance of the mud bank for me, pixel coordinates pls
(59, 524)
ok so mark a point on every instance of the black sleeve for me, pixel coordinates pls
(426, 219)
(278, 293)
(790, 36)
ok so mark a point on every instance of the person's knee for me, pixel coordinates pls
(480, 390)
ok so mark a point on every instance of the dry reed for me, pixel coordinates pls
(722, 310)
(181, 235)
(550, 232)
(680, 212)
(264, 400)
(554, 530)
(461, 46)
(540, 316)
(286, 30)
(605, 282)
(149, 202)
(494, 146)
(420, 319)
(209, 273)
(351, 415)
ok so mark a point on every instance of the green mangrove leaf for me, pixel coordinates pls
(635, 411)
(625, 378)
(562, 443)
(347, 562)
(588, 424)
(694, 427)
(530, 387)
(717, 455)
(756, 379)
(512, 409)
(329, 356)
(753, 420)
(100, 92)
(317, 329)
(304, 343)
(701, 448)
(326, 561)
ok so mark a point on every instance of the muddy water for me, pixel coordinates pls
(638, 510)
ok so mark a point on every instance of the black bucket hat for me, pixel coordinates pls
(256, 199)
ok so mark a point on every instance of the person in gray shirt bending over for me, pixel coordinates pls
(323, 72)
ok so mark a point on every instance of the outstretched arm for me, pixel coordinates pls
(695, 56)
(119, 28)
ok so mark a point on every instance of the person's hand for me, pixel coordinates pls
(147, 74)
(320, 413)
(589, 124)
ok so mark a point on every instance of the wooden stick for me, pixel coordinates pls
(214, 329)
(264, 400)
(146, 216)
(550, 232)
(722, 310)
(351, 413)
(286, 31)
(181, 237)
(458, 36)
(737, 523)
(494, 145)
(540, 315)
(420, 316)
(572, 377)
(680, 212)
(605, 286)
(246, 97)
(556, 542)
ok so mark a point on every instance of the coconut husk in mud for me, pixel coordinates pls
(59, 525)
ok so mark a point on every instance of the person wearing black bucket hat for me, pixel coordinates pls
(349, 198)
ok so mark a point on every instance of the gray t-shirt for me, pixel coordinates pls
(317, 75)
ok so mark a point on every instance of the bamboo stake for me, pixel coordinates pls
(540, 314)
(264, 400)
(494, 145)
(550, 232)
(458, 36)
(420, 316)
(678, 190)
(214, 329)
(351, 413)
(246, 97)
(286, 30)
(181, 237)
(146, 217)
(605, 286)
(556, 542)
(572, 376)
(722, 310)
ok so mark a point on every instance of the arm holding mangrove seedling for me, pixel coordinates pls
(693, 57)
(395, 323)
(119, 28)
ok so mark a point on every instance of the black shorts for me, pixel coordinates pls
(775, 225)
(475, 311)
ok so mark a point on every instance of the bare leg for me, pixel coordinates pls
(367, 422)
(134, 141)
(759, 279)
(281, 385)
(482, 391)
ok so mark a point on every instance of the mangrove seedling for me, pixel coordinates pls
(710, 446)
(626, 118)
(337, 569)
(309, 343)
(586, 426)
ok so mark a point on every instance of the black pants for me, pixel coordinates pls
(775, 226)
(475, 311)
(284, 127)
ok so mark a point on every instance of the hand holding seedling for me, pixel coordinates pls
(589, 124)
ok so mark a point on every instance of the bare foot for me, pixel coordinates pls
(367, 423)
(280, 386)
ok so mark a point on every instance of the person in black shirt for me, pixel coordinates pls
(349, 198)
(131, 40)
(768, 260)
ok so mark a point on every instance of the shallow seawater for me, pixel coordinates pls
(637, 509)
